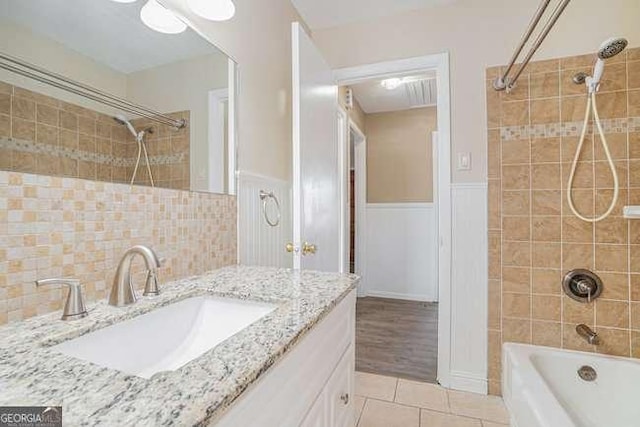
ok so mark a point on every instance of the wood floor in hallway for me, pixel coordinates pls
(397, 338)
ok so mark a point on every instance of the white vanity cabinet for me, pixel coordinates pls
(312, 386)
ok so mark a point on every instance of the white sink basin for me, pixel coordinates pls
(167, 338)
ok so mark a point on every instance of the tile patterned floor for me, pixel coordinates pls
(394, 402)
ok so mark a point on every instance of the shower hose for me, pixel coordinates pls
(591, 105)
(142, 146)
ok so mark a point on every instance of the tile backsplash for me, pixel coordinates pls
(534, 239)
(75, 228)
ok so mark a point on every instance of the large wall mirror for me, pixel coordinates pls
(87, 90)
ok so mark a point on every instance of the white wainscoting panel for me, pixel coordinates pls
(401, 251)
(469, 287)
(259, 243)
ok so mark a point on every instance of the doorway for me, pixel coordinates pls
(404, 291)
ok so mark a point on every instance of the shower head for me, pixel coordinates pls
(612, 47)
(123, 121)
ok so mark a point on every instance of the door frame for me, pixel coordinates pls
(345, 126)
(440, 63)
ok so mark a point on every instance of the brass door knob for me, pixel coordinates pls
(308, 248)
(290, 247)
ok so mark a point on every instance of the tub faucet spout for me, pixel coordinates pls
(587, 333)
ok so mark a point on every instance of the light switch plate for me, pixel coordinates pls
(464, 161)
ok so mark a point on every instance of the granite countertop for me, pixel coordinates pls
(196, 394)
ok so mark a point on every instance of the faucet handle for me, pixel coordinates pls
(151, 284)
(74, 307)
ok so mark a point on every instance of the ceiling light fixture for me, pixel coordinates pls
(214, 10)
(159, 18)
(391, 84)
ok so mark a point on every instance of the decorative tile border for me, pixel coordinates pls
(87, 156)
(567, 129)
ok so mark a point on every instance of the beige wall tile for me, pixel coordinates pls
(544, 85)
(577, 312)
(612, 313)
(516, 305)
(546, 202)
(546, 281)
(515, 152)
(545, 150)
(611, 257)
(547, 333)
(516, 330)
(545, 110)
(545, 176)
(546, 255)
(614, 341)
(616, 285)
(516, 228)
(577, 255)
(516, 254)
(514, 113)
(516, 202)
(515, 177)
(546, 228)
(516, 279)
(546, 307)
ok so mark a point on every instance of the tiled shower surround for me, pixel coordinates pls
(44, 135)
(533, 236)
(74, 228)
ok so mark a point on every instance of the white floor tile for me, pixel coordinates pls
(489, 408)
(375, 386)
(428, 396)
(386, 414)
(438, 419)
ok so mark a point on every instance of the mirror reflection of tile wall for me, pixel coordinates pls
(44, 135)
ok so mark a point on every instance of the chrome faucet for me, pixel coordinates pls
(587, 333)
(122, 292)
(74, 307)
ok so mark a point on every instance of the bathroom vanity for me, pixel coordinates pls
(282, 354)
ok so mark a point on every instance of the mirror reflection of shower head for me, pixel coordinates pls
(123, 121)
(610, 48)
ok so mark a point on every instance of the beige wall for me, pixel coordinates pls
(258, 38)
(19, 41)
(399, 158)
(477, 34)
(356, 113)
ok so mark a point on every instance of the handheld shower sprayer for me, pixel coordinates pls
(123, 121)
(142, 146)
(608, 49)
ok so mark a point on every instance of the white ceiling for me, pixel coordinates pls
(418, 91)
(106, 31)
(330, 13)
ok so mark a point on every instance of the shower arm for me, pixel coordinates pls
(503, 81)
(61, 82)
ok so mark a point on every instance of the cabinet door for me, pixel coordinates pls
(317, 415)
(339, 391)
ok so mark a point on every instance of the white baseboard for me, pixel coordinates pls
(395, 295)
(465, 381)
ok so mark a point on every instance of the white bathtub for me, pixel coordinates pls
(541, 388)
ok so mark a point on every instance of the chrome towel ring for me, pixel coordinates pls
(265, 197)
